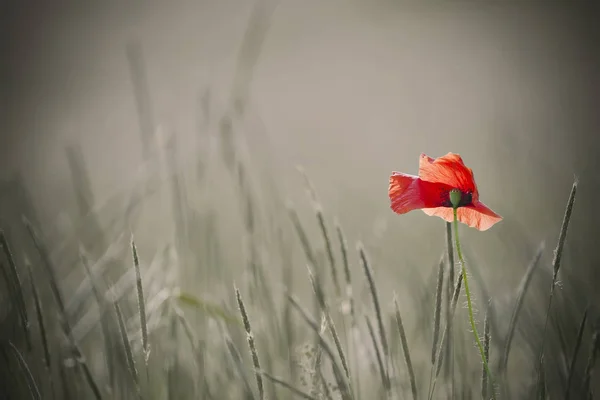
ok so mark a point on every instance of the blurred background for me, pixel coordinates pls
(157, 118)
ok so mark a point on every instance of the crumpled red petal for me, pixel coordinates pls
(477, 215)
(409, 192)
(404, 193)
(450, 170)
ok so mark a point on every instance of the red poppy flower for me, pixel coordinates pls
(430, 191)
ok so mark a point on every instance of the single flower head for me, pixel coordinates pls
(443, 184)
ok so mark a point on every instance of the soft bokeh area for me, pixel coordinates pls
(234, 141)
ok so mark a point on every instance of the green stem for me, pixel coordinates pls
(470, 304)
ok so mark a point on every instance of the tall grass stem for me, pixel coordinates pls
(470, 303)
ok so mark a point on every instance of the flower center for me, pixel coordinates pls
(455, 196)
(459, 199)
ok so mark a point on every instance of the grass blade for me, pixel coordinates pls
(308, 250)
(127, 347)
(141, 303)
(329, 248)
(372, 287)
(562, 237)
(444, 339)
(33, 388)
(288, 386)
(15, 284)
(251, 344)
(486, 352)
(213, 310)
(382, 370)
(522, 290)
(406, 350)
(42, 326)
(575, 354)
(594, 351)
(341, 380)
(49, 267)
(103, 321)
(329, 321)
(438, 310)
(237, 360)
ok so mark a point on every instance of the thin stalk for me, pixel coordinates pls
(562, 237)
(470, 304)
(251, 344)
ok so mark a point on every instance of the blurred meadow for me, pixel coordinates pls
(193, 200)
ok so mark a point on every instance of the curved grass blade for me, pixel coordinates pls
(15, 287)
(318, 289)
(127, 348)
(33, 388)
(213, 310)
(42, 327)
(237, 360)
(594, 351)
(340, 378)
(406, 350)
(106, 334)
(382, 371)
(522, 290)
(562, 238)
(375, 297)
(575, 354)
(288, 386)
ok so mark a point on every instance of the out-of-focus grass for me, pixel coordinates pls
(190, 344)
(185, 322)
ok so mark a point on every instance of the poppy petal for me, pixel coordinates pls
(477, 216)
(404, 193)
(444, 213)
(409, 192)
(450, 170)
(485, 218)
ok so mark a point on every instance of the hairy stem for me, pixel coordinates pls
(470, 304)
